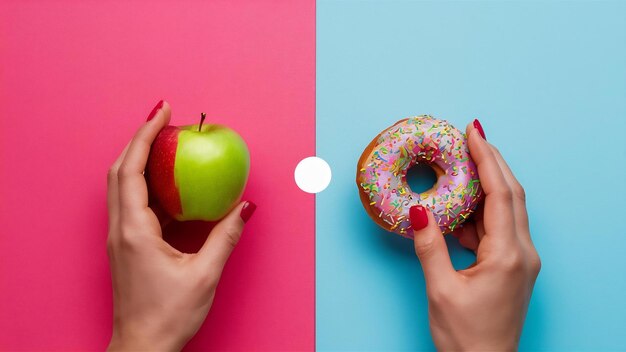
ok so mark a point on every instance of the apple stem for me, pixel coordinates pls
(202, 117)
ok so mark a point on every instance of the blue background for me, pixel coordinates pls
(548, 82)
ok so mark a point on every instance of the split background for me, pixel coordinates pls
(546, 79)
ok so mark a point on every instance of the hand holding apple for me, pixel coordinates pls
(198, 172)
(161, 296)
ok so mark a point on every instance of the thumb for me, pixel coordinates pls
(225, 236)
(430, 245)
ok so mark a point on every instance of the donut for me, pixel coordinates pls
(382, 168)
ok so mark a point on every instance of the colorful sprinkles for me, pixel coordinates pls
(424, 139)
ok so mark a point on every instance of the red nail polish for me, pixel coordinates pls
(479, 127)
(247, 211)
(155, 110)
(419, 217)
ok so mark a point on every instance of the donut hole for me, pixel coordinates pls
(421, 177)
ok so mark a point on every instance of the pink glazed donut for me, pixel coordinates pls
(382, 169)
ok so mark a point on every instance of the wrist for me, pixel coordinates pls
(493, 345)
(450, 342)
(132, 340)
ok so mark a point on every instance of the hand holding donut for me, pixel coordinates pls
(484, 306)
(160, 295)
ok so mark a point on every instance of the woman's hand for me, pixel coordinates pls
(161, 296)
(482, 307)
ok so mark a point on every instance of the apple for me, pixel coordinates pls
(197, 172)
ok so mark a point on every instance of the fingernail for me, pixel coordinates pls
(479, 127)
(247, 211)
(155, 110)
(419, 217)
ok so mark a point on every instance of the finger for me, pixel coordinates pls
(519, 203)
(430, 247)
(480, 228)
(113, 189)
(519, 195)
(132, 184)
(491, 177)
(468, 237)
(477, 219)
(224, 238)
(498, 208)
(469, 267)
(164, 218)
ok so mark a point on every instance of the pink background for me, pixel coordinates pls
(76, 80)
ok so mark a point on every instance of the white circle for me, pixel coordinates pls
(312, 174)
